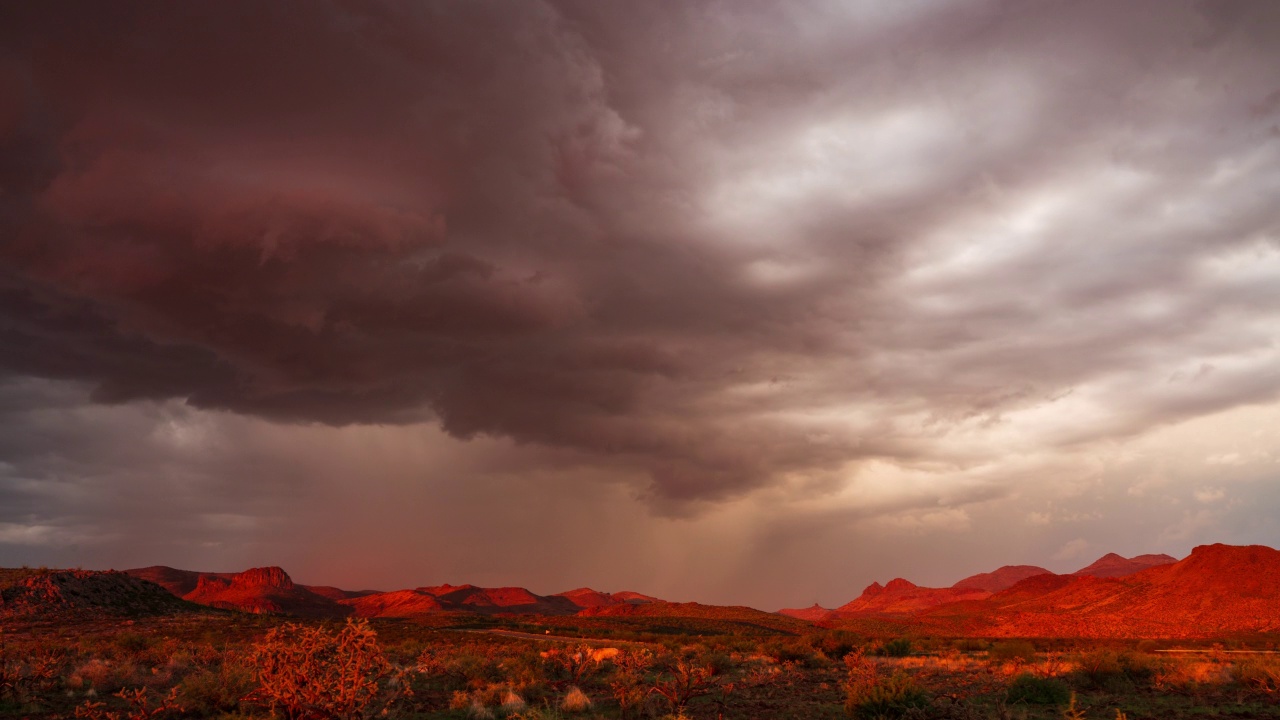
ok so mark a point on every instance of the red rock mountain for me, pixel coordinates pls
(1113, 565)
(262, 590)
(397, 604)
(271, 590)
(813, 613)
(743, 616)
(904, 597)
(901, 597)
(999, 579)
(1217, 591)
(82, 592)
(178, 582)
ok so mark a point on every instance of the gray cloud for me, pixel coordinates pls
(728, 248)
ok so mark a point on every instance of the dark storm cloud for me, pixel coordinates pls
(729, 244)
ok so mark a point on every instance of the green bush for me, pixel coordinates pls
(901, 647)
(796, 651)
(1034, 690)
(836, 644)
(1112, 670)
(1012, 651)
(1258, 673)
(969, 645)
(892, 697)
(210, 690)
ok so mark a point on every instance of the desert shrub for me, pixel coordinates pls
(104, 676)
(479, 711)
(869, 696)
(139, 704)
(462, 667)
(216, 690)
(135, 643)
(1109, 669)
(899, 647)
(524, 670)
(314, 672)
(1015, 651)
(575, 701)
(1034, 690)
(895, 696)
(1258, 673)
(794, 651)
(836, 643)
(627, 684)
(22, 676)
(570, 665)
(970, 645)
(721, 663)
(682, 681)
(511, 701)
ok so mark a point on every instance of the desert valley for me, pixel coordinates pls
(1150, 636)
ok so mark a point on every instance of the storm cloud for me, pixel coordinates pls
(853, 259)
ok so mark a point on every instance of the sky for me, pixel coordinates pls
(736, 302)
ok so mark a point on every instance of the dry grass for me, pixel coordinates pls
(575, 701)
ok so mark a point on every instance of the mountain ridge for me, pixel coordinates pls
(1216, 590)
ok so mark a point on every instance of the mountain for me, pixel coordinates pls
(334, 593)
(1113, 565)
(182, 582)
(178, 582)
(262, 590)
(1217, 591)
(1000, 579)
(736, 615)
(396, 604)
(271, 590)
(83, 592)
(904, 597)
(487, 601)
(506, 600)
(813, 613)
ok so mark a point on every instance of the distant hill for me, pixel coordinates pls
(1217, 591)
(586, 598)
(903, 597)
(83, 593)
(737, 614)
(813, 613)
(1000, 579)
(263, 590)
(486, 601)
(271, 590)
(1113, 565)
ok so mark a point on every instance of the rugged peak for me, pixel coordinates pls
(873, 589)
(899, 584)
(272, 577)
(1214, 549)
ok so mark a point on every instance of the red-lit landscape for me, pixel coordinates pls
(625, 360)
(1146, 636)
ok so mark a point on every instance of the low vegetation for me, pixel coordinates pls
(240, 667)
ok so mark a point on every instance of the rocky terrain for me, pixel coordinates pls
(83, 593)
(1217, 591)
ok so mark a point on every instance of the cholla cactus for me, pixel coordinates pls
(313, 672)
